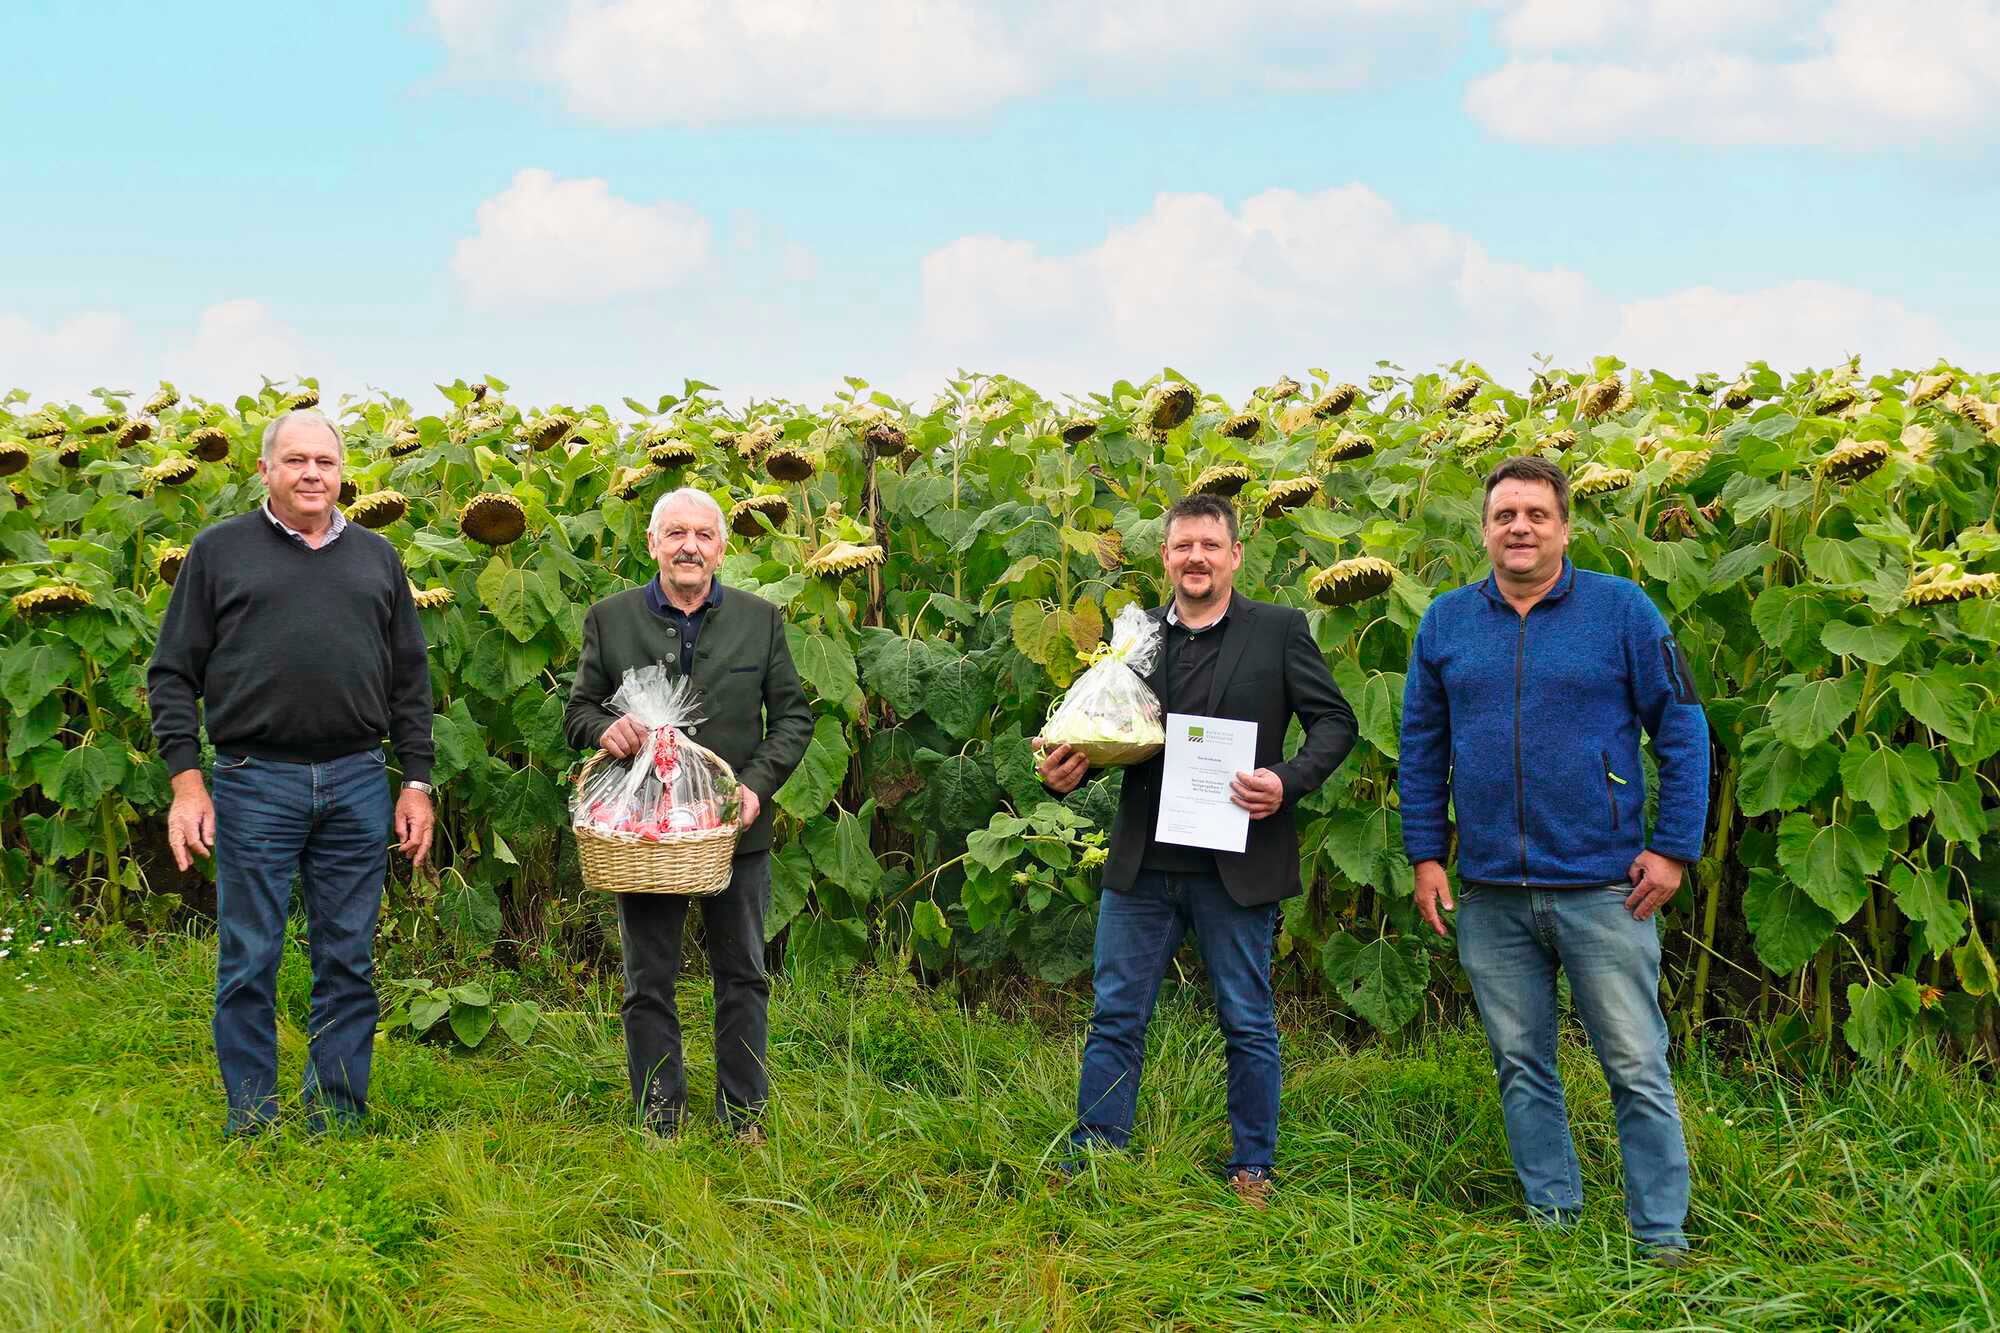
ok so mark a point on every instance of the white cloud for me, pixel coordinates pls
(1855, 73)
(68, 358)
(632, 62)
(1338, 279)
(544, 241)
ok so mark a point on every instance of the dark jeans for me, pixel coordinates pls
(328, 824)
(1511, 941)
(1137, 934)
(733, 921)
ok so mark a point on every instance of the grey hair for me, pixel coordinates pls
(302, 413)
(691, 495)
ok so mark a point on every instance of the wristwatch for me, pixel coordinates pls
(412, 784)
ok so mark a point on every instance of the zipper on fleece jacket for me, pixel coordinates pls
(1520, 789)
(1611, 792)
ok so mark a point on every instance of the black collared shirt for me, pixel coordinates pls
(1186, 678)
(687, 622)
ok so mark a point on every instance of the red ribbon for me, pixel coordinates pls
(666, 755)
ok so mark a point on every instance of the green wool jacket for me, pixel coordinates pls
(757, 715)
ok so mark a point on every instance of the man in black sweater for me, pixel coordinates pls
(732, 643)
(1223, 656)
(296, 632)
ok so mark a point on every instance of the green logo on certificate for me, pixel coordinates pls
(1194, 733)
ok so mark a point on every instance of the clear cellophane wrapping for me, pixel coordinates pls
(1110, 714)
(671, 785)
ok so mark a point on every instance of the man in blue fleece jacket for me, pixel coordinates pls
(1522, 712)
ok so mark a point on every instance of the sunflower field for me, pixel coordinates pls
(1823, 543)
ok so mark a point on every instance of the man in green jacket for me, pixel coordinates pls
(757, 718)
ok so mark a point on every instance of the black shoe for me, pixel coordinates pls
(1667, 1256)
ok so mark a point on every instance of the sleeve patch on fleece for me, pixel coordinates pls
(1677, 672)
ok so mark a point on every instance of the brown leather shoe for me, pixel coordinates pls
(1253, 1188)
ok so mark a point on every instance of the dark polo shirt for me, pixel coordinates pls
(1187, 679)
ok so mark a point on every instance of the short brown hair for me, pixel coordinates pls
(1201, 506)
(1527, 467)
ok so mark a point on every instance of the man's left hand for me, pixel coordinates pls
(414, 822)
(1655, 880)
(1261, 793)
(751, 805)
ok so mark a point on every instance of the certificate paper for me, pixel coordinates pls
(1204, 755)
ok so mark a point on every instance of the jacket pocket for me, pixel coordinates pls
(1612, 782)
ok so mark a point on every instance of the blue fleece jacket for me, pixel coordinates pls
(1528, 726)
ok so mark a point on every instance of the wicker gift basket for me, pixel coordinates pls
(666, 819)
(1110, 715)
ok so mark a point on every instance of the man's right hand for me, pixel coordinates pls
(622, 739)
(1061, 769)
(1433, 889)
(190, 819)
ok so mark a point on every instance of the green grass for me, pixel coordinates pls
(905, 1185)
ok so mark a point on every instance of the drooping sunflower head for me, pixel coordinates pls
(132, 432)
(788, 462)
(1550, 392)
(51, 599)
(743, 514)
(304, 398)
(1458, 394)
(348, 492)
(1564, 439)
(167, 564)
(1166, 406)
(1242, 426)
(1289, 493)
(1346, 446)
(173, 470)
(1739, 395)
(751, 443)
(1285, 387)
(1930, 388)
(1352, 580)
(1935, 585)
(629, 482)
(1110, 549)
(493, 518)
(885, 437)
(1224, 479)
(551, 430)
(1295, 418)
(1078, 429)
(431, 599)
(1594, 480)
(1687, 465)
(210, 444)
(1835, 398)
(163, 398)
(1335, 401)
(1600, 397)
(378, 509)
(665, 451)
(838, 559)
(1476, 437)
(44, 427)
(70, 453)
(1852, 460)
(13, 457)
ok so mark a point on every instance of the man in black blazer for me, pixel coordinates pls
(1222, 656)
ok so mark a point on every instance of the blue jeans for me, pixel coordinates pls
(1137, 935)
(1511, 941)
(329, 824)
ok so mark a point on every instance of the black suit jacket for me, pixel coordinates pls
(1269, 669)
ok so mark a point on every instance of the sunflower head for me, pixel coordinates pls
(1687, 465)
(1295, 418)
(1352, 580)
(132, 432)
(1852, 460)
(173, 470)
(51, 599)
(884, 437)
(1930, 388)
(167, 564)
(378, 509)
(163, 398)
(1550, 392)
(1594, 480)
(789, 462)
(1739, 395)
(1346, 446)
(751, 443)
(1224, 479)
(431, 599)
(304, 398)
(1600, 397)
(551, 430)
(837, 559)
(348, 491)
(1335, 401)
(1110, 549)
(1834, 398)
(743, 514)
(1166, 406)
(1242, 426)
(629, 482)
(70, 453)
(1477, 436)
(1285, 387)
(44, 427)
(1289, 493)
(1560, 439)
(1078, 429)
(210, 444)
(667, 451)
(13, 457)
(493, 518)
(1458, 394)
(1935, 585)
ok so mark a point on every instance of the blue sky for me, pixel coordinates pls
(603, 196)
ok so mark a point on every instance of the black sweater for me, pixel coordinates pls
(296, 654)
